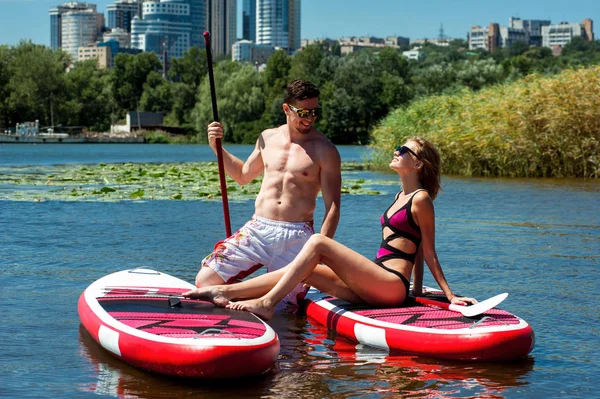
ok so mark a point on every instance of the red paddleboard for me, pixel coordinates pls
(139, 316)
(423, 330)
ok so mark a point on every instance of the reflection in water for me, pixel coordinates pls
(314, 363)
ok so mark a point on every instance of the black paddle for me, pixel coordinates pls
(213, 96)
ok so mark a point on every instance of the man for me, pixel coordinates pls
(298, 161)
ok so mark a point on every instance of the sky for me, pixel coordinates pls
(416, 19)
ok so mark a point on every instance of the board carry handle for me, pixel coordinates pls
(141, 270)
(215, 330)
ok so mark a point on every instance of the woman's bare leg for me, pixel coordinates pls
(220, 295)
(365, 279)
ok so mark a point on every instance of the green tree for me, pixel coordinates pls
(306, 62)
(184, 100)
(477, 74)
(87, 103)
(128, 78)
(359, 77)
(36, 83)
(434, 79)
(5, 54)
(189, 69)
(157, 95)
(582, 52)
(394, 63)
(240, 98)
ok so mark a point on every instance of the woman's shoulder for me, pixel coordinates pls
(421, 197)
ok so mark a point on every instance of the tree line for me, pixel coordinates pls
(357, 90)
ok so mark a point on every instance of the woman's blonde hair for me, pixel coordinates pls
(429, 175)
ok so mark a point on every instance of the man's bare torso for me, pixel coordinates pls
(292, 171)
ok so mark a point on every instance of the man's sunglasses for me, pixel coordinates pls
(402, 149)
(305, 113)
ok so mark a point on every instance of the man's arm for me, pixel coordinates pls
(331, 187)
(241, 172)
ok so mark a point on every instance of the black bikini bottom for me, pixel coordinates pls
(404, 280)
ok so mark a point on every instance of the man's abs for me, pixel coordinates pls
(290, 203)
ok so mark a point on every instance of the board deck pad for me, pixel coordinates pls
(191, 319)
(418, 315)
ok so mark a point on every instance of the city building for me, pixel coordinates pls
(198, 17)
(93, 51)
(441, 42)
(278, 24)
(556, 36)
(119, 35)
(221, 21)
(249, 20)
(73, 25)
(248, 51)
(531, 26)
(413, 54)
(121, 13)
(165, 28)
(529, 31)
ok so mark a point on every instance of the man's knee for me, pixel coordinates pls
(207, 276)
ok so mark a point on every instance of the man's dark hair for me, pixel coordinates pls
(300, 90)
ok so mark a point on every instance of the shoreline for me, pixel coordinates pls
(17, 139)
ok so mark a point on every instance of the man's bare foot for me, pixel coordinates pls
(211, 293)
(256, 306)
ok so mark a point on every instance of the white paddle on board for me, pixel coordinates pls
(468, 311)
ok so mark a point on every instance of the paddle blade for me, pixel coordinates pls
(481, 307)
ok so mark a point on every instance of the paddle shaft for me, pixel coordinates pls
(213, 96)
(439, 304)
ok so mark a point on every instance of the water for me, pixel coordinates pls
(539, 240)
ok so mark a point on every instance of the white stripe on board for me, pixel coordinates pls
(109, 339)
(370, 336)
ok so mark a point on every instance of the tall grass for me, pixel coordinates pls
(535, 127)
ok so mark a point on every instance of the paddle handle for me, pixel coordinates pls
(213, 96)
(443, 305)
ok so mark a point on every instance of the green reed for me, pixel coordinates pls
(536, 127)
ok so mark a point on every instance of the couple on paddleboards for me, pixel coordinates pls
(298, 162)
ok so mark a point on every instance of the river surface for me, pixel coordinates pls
(538, 239)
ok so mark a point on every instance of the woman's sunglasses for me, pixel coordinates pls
(402, 149)
(305, 113)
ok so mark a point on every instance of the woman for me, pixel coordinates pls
(409, 223)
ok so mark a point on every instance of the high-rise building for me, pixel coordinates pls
(165, 28)
(278, 23)
(249, 20)
(222, 23)
(198, 19)
(74, 24)
(121, 13)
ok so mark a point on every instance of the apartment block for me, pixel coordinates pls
(531, 32)
(248, 51)
(73, 25)
(558, 35)
(93, 51)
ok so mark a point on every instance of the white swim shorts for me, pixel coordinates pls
(261, 242)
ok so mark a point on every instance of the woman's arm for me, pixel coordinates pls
(424, 215)
(417, 273)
